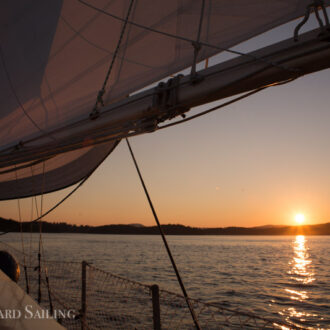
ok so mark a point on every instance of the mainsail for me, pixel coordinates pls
(54, 57)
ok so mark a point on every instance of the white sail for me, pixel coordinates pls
(55, 55)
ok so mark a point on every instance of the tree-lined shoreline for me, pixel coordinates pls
(169, 229)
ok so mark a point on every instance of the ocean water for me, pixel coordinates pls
(281, 277)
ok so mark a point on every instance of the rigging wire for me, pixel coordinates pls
(66, 196)
(153, 209)
(41, 254)
(217, 107)
(54, 207)
(31, 228)
(213, 109)
(191, 309)
(41, 250)
(22, 241)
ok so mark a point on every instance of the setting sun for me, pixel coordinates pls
(299, 218)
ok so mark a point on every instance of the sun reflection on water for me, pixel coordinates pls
(302, 275)
(301, 268)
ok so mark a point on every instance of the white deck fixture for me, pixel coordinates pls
(19, 311)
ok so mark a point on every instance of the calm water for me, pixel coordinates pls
(270, 276)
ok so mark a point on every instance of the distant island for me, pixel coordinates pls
(170, 229)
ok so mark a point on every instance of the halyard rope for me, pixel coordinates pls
(99, 99)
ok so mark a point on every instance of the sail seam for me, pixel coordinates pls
(18, 100)
(170, 35)
(91, 43)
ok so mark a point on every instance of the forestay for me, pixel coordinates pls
(54, 56)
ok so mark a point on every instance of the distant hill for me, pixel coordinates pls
(170, 229)
(270, 226)
(135, 225)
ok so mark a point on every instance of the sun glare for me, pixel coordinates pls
(300, 218)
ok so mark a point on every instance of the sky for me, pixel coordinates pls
(259, 161)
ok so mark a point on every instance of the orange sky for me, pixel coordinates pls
(259, 161)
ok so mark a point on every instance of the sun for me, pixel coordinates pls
(299, 218)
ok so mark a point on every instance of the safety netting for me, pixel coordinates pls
(99, 299)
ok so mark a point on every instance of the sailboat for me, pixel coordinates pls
(79, 76)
